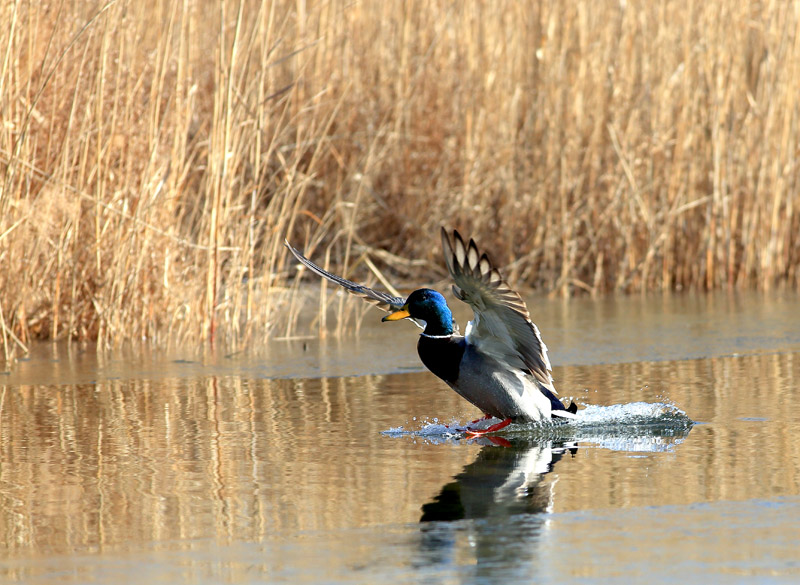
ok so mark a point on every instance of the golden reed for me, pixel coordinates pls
(154, 154)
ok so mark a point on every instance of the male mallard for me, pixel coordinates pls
(500, 364)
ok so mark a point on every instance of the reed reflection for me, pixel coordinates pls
(140, 462)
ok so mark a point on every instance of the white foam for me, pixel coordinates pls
(630, 413)
(633, 427)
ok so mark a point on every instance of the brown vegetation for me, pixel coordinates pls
(154, 155)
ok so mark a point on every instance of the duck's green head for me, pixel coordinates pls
(426, 305)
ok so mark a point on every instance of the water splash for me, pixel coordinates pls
(632, 414)
(430, 429)
(633, 427)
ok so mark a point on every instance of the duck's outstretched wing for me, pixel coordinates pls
(380, 299)
(502, 326)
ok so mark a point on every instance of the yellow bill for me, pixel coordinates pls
(397, 315)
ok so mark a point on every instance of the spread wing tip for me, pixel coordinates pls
(498, 308)
(382, 300)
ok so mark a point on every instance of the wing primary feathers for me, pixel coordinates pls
(382, 300)
(502, 324)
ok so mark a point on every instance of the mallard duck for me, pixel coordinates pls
(500, 364)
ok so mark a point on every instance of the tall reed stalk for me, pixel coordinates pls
(154, 155)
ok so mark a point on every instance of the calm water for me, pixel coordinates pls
(309, 462)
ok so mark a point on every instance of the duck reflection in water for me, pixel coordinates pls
(502, 486)
(500, 482)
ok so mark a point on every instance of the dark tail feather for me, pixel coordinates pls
(556, 404)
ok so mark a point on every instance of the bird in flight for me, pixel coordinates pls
(500, 364)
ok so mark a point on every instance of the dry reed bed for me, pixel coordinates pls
(155, 154)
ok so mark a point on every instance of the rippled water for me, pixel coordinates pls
(684, 465)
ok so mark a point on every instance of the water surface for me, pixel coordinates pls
(312, 462)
